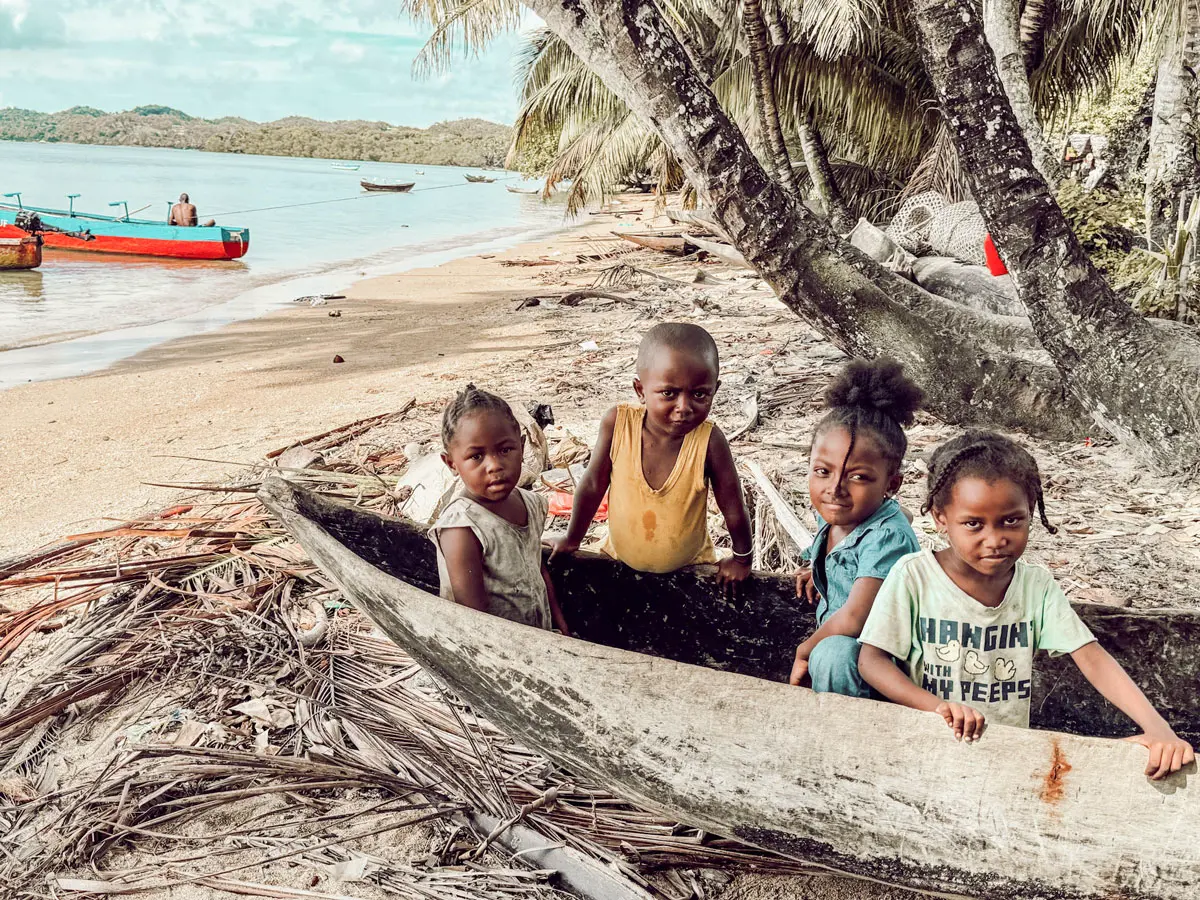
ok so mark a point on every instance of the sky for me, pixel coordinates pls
(260, 59)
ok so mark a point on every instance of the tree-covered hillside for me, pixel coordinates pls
(465, 142)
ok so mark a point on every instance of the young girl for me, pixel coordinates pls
(965, 621)
(853, 476)
(489, 538)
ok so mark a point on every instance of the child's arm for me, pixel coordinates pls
(556, 614)
(727, 488)
(464, 562)
(848, 620)
(1168, 752)
(878, 670)
(590, 490)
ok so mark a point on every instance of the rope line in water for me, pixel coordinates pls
(364, 195)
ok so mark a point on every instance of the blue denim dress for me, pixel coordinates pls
(869, 551)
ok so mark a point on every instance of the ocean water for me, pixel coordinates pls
(312, 229)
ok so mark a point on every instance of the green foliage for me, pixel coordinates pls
(466, 142)
(1166, 283)
(1103, 221)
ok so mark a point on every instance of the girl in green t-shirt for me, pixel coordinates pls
(965, 621)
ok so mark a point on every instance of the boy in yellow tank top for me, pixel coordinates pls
(657, 461)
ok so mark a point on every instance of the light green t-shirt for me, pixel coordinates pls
(960, 650)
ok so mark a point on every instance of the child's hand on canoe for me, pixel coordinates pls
(561, 547)
(731, 572)
(967, 723)
(805, 589)
(1168, 753)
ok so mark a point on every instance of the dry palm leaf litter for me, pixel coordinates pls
(188, 709)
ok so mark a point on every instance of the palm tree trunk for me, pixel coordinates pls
(1002, 25)
(821, 172)
(1171, 165)
(1137, 384)
(1033, 34)
(764, 94)
(974, 368)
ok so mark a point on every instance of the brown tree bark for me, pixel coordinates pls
(974, 368)
(1002, 26)
(1137, 385)
(1172, 166)
(759, 48)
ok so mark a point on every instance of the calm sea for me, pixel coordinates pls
(311, 227)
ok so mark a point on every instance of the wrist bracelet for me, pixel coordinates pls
(748, 553)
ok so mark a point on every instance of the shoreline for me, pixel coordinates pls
(83, 448)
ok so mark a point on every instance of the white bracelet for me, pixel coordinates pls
(742, 555)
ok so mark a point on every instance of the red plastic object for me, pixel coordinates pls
(995, 264)
(561, 503)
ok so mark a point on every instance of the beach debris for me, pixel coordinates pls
(430, 485)
(335, 314)
(301, 458)
(530, 262)
(338, 358)
(542, 413)
(318, 299)
(588, 346)
(529, 301)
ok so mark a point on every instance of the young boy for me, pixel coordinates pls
(657, 460)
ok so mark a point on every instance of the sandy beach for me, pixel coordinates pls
(82, 449)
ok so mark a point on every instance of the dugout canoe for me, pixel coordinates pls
(393, 186)
(73, 230)
(23, 252)
(675, 244)
(479, 179)
(673, 700)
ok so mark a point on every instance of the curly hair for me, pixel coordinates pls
(468, 401)
(986, 455)
(876, 397)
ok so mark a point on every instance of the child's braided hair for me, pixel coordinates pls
(874, 396)
(986, 455)
(472, 400)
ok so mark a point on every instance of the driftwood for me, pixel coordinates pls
(724, 252)
(869, 789)
(972, 286)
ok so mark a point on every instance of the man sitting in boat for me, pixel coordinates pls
(184, 213)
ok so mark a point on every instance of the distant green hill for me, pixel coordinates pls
(465, 142)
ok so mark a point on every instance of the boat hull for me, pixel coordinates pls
(23, 252)
(674, 244)
(392, 188)
(865, 788)
(136, 237)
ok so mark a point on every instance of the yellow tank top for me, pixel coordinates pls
(663, 530)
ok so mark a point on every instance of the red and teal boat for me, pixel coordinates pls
(71, 230)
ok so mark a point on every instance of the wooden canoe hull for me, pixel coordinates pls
(479, 179)
(865, 788)
(675, 244)
(393, 187)
(20, 253)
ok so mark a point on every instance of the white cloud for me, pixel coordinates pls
(347, 51)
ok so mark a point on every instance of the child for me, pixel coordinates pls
(966, 620)
(489, 539)
(853, 476)
(657, 461)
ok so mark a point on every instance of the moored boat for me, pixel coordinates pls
(479, 179)
(520, 190)
(865, 788)
(395, 187)
(346, 167)
(20, 252)
(71, 230)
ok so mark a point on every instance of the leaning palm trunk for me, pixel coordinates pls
(1172, 168)
(1002, 25)
(974, 368)
(821, 172)
(764, 94)
(1138, 386)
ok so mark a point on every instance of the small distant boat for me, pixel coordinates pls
(395, 187)
(520, 190)
(420, 171)
(20, 252)
(346, 167)
(479, 179)
(675, 244)
(71, 230)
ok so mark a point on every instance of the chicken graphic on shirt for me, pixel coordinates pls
(1004, 669)
(950, 652)
(973, 665)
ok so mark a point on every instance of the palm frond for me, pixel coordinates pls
(835, 27)
(460, 25)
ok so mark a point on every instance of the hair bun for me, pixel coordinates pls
(878, 384)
